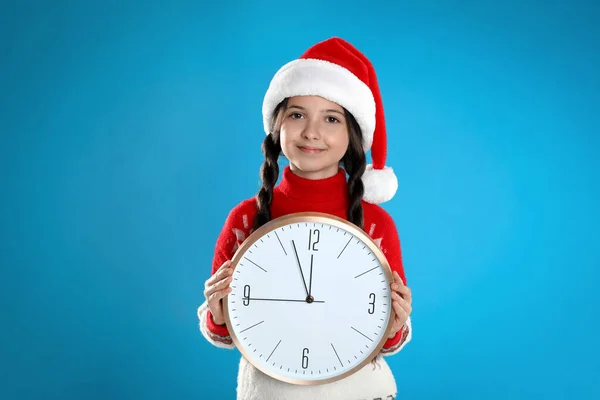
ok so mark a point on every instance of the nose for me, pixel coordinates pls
(311, 130)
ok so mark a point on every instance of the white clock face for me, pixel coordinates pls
(310, 301)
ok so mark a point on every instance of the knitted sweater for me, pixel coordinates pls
(297, 194)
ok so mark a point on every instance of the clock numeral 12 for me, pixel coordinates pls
(372, 303)
(311, 244)
(305, 358)
(246, 298)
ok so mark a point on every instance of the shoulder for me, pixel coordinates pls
(242, 213)
(375, 214)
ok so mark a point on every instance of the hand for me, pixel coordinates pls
(293, 300)
(300, 266)
(402, 303)
(310, 279)
(217, 287)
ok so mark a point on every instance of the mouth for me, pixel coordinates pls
(310, 150)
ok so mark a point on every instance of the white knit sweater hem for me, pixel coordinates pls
(374, 381)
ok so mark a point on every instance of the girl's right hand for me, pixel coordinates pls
(217, 287)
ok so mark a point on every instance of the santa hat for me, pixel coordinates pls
(335, 70)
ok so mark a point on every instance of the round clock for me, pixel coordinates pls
(310, 300)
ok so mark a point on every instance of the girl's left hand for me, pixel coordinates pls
(401, 302)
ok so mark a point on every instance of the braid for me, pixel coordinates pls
(269, 171)
(355, 164)
(269, 174)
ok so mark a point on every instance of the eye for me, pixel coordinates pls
(295, 115)
(332, 120)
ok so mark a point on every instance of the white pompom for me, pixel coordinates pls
(380, 184)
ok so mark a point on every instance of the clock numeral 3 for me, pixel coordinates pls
(305, 358)
(372, 303)
(312, 241)
(246, 299)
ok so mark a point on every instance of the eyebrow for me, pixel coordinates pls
(326, 110)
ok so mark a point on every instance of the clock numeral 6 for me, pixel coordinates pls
(372, 303)
(246, 298)
(305, 358)
(312, 241)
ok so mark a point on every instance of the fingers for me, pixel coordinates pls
(399, 287)
(223, 271)
(401, 305)
(217, 286)
(218, 295)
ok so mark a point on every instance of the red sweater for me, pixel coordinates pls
(297, 194)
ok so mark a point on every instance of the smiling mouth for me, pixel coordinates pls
(312, 150)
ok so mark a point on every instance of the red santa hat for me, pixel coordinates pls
(335, 70)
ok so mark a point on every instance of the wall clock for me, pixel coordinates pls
(310, 300)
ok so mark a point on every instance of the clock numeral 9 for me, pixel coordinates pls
(246, 298)
(312, 242)
(305, 358)
(372, 303)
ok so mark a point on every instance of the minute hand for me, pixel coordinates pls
(293, 300)
(300, 266)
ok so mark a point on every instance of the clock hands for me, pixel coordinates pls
(292, 300)
(310, 279)
(308, 297)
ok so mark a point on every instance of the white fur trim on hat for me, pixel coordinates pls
(380, 184)
(312, 77)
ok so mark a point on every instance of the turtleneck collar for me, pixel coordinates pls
(333, 189)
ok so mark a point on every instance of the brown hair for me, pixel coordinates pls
(354, 163)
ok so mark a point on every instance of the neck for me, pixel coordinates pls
(315, 175)
(330, 189)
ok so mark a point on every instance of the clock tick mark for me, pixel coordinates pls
(281, 243)
(336, 353)
(255, 263)
(276, 346)
(250, 327)
(365, 272)
(344, 248)
(361, 333)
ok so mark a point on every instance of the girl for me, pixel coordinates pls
(323, 112)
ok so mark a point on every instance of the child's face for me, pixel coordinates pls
(314, 136)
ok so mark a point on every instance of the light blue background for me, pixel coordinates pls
(129, 132)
